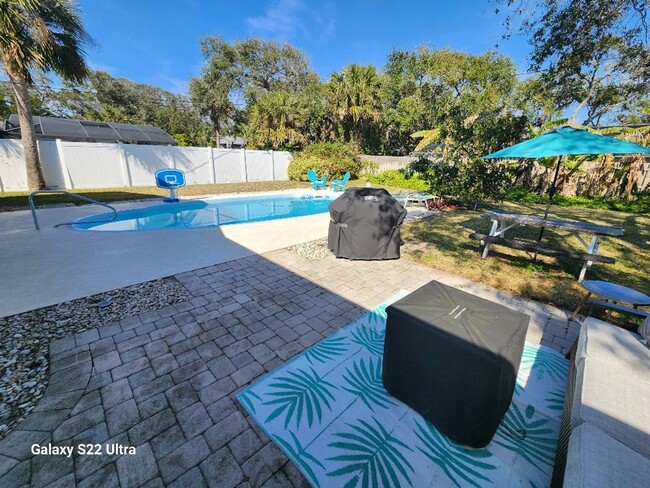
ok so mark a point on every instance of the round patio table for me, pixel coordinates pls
(615, 293)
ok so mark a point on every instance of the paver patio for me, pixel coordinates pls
(165, 381)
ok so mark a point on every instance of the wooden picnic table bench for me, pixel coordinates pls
(503, 221)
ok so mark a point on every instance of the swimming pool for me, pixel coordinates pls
(209, 213)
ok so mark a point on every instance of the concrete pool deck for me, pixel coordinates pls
(54, 265)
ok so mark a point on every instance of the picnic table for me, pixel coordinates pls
(503, 221)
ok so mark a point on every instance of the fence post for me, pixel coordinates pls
(213, 175)
(272, 165)
(171, 150)
(67, 178)
(126, 172)
(243, 162)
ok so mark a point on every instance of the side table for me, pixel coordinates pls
(453, 357)
(616, 294)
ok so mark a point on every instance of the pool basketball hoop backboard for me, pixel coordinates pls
(171, 179)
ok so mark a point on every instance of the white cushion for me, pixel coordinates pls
(597, 460)
(613, 399)
(613, 345)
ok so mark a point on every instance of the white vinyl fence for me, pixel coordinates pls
(388, 166)
(386, 163)
(70, 165)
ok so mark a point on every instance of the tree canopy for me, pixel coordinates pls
(236, 74)
(593, 56)
(109, 99)
(457, 104)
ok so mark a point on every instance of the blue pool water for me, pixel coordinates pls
(209, 213)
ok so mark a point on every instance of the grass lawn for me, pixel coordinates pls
(442, 242)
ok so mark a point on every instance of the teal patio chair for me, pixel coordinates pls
(316, 182)
(339, 185)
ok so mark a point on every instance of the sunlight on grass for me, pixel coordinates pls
(549, 280)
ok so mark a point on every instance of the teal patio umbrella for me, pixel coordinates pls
(566, 141)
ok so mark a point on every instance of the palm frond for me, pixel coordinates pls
(626, 130)
(429, 137)
(299, 454)
(46, 36)
(373, 455)
(372, 341)
(365, 382)
(245, 397)
(538, 446)
(377, 315)
(556, 400)
(327, 350)
(300, 393)
(545, 363)
(459, 463)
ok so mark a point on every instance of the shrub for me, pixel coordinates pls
(441, 178)
(398, 179)
(467, 182)
(369, 168)
(331, 160)
(638, 206)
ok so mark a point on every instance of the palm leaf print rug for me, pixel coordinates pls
(329, 412)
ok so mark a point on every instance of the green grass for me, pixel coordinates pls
(548, 280)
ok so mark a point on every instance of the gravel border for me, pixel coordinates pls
(25, 338)
(312, 250)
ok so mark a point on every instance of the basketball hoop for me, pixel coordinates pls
(170, 179)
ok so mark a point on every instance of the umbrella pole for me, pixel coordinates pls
(551, 192)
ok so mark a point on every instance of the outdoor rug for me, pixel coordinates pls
(329, 412)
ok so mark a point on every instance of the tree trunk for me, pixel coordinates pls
(35, 180)
(632, 177)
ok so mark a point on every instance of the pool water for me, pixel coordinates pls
(209, 213)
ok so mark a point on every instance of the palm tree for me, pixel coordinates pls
(39, 36)
(278, 115)
(355, 99)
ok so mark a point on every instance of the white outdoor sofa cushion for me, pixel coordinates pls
(617, 347)
(612, 390)
(600, 461)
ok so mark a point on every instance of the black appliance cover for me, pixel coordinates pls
(453, 357)
(365, 224)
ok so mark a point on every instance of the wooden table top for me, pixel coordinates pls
(537, 221)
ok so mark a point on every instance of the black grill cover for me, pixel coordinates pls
(453, 357)
(365, 224)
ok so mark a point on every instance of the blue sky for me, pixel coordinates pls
(157, 42)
